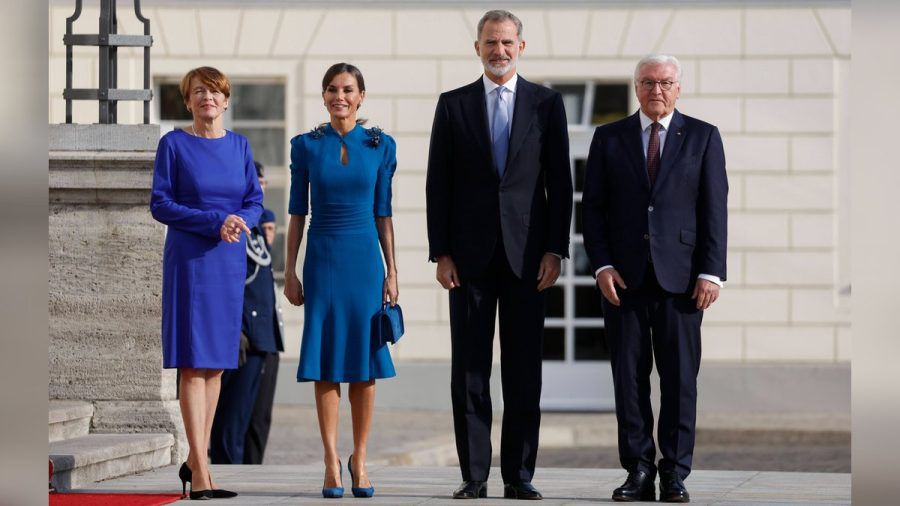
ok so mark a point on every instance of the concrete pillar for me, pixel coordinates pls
(105, 280)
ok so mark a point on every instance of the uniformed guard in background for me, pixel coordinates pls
(244, 414)
(261, 420)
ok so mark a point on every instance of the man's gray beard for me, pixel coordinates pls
(502, 70)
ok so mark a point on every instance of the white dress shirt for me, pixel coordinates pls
(646, 124)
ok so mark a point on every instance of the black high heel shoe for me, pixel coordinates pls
(217, 493)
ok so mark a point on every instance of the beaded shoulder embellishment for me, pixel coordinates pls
(317, 132)
(374, 134)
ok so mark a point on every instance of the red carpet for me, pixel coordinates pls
(75, 499)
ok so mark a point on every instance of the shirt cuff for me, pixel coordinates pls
(557, 255)
(714, 279)
(602, 269)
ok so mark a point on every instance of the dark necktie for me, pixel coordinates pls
(653, 153)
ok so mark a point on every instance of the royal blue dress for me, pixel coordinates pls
(197, 183)
(343, 273)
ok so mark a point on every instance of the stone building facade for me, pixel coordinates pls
(773, 76)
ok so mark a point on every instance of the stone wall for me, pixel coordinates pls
(105, 281)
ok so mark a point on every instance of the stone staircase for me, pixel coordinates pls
(80, 457)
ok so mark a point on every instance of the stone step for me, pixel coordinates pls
(69, 419)
(87, 459)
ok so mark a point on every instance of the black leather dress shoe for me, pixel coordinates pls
(471, 490)
(671, 488)
(639, 486)
(522, 490)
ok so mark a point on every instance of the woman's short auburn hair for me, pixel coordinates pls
(209, 76)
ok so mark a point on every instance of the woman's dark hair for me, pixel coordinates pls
(340, 68)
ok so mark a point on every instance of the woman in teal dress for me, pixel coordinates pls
(343, 172)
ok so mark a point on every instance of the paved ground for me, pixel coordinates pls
(395, 485)
(754, 417)
(801, 458)
(753, 424)
(753, 442)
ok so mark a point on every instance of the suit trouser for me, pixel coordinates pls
(236, 399)
(473, 309)
(261, 419)
(651, 322)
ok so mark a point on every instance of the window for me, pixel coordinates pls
(594, 103)
(574, 320)
(256, 110)
(257, 113)
(573, 96)
(610, 103)
(171, 104)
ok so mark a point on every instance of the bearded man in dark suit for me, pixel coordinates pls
(499, 197)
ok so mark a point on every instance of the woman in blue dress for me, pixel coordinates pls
(344, 171)
(206, 191)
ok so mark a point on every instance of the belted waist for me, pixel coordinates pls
(342, 219)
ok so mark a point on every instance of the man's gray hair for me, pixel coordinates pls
(499, 16)
(651, 59)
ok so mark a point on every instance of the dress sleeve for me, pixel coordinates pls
(385, 173)
(166, 209)
(251, 207)
(299, 198)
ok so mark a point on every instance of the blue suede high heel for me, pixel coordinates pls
(335, 492)
(358, 491)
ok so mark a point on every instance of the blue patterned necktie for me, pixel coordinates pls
(500, 133)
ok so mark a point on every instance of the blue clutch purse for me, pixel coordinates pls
(389, 324)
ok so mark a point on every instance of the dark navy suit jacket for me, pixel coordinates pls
(681, 222)
(469, 204)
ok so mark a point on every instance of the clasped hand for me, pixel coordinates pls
(232, 227)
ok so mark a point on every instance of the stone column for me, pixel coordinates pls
(106, 280)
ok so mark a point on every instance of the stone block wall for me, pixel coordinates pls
(105, 282)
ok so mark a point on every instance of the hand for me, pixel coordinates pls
(293, 290)
(706, 292)
(231, 228)
(606, 281)
(548, 272)
(446, 272)
(242, 350)
(389, 292)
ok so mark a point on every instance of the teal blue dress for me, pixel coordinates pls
(343, 273)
